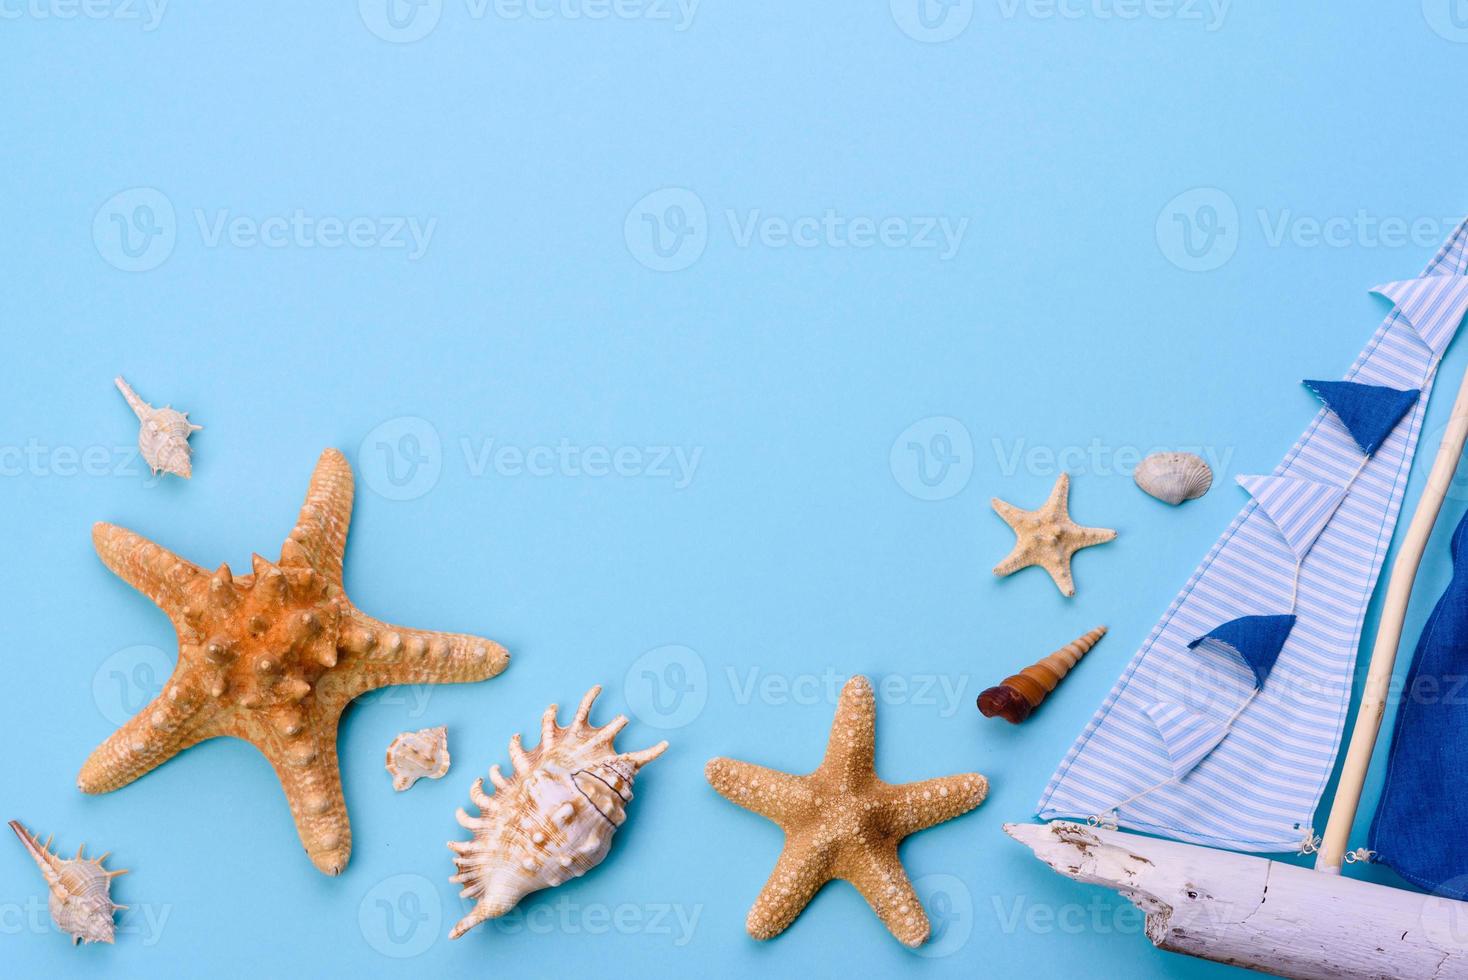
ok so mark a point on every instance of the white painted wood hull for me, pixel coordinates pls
(1261, 914)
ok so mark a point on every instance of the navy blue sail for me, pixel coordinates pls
(1418, 830)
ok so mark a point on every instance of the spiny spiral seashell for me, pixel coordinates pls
(163, 437)
(414, 755)
(80, 901)
(1017, 696)
(1174, 477)
(552, 820)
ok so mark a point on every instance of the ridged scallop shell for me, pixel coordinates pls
(552, 820)
(80, 901)
(415, 755)
(1174, 477)
(163, 436)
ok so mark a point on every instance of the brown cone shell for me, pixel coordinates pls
(1016, 696)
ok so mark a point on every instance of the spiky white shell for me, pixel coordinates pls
(415, 755)
(552, 820)
(163, 434)
(81, 904)
(1174, 477)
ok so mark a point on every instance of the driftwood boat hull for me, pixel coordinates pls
(1261, 914)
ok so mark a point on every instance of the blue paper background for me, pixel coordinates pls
(1074, 326)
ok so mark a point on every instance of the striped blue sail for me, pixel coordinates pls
(1224, 728)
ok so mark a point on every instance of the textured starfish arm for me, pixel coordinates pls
(376, 654)
(851, 750)
(801, 871)
(775, 795)
(1020, 557)
(1010, 513)
(319, 539)
(308, 770)
(152, 569)
(1087, 536)
(911, 807)
(879, 876)
(165, 727)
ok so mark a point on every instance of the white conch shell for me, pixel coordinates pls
(163, 436)
(80, 903)
(1174, 477)
(552, 820)
(414, 755)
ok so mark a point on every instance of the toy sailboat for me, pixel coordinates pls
(1224, 728)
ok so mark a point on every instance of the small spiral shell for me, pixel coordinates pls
(81, 905)
(551, 820)
(1015, 697)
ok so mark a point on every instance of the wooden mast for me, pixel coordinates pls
(1388, 637)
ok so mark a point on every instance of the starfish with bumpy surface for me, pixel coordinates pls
(1048, 537)
(841, 821)
(274, 658)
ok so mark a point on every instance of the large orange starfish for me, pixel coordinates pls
(273, 658)
(841, 821)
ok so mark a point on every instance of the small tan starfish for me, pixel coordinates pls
(1047, 537)
(273, 658)
(843, 822)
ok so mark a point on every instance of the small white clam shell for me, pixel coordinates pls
(1174, 477)
(414, 755)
